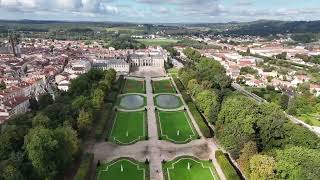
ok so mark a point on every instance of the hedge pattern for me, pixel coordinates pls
(226, 166)
(103, 118)
(83, 172)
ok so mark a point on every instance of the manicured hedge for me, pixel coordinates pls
(186, 97)
(112, 96)
(226, 166)
(83, 172)
(200, 121)
(109, 125)
(118, 85)
(179, 84)
(103, 118)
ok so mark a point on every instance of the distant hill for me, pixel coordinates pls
(267, 27)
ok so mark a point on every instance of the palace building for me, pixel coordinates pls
(122, 63)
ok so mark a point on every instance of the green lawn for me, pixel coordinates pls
(133, 86)
(176, 127)
(157, 42)
(313, 119)
(123, 169)
(163, 86)
(129, 127)
(189, 168)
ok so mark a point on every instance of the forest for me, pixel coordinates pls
(265, 144)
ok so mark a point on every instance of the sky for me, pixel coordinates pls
(160, 11)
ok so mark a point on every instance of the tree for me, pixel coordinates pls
(248, 70)
(2, 85)
(10, 172)
(210, 70)
(236, 123)
(283, 55)
(248, 51)
(11, 139)
(34, 106)
(40, 120)
(207, 101)
(84, 121)
(51, 151)
(45, 100)
(51, 47)
(298, 163)
(192, 54)
(185, 75)
(249, 150)
(68, 146)
(97, 98)
(41, 147)
(262, 167)
(269, 126)
(193, 87)
(295, 135)
(284, 101)
(79, 102)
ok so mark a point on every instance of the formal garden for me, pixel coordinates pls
(175, 126)
(189, 168)
(129, 127)
(134, 86)
(123, 169)
(163, 86)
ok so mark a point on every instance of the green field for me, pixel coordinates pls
(176, 127)
(134, 86)
(163, 86)
(130, 29)
(123, 169)
(129, 127)
(189, 168)
(157, 42)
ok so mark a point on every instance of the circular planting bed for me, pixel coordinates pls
(131, 102)
(168, 101)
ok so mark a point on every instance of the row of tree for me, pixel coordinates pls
(42, 144)
(126, 42)
(264, 142)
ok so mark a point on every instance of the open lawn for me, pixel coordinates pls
(134, 86)
(176, 127)
(129, 127)
(189, 168)
(163, 86)
(123, 169)
(157, 42)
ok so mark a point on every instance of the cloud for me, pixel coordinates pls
(158, 10)
(89, 6)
